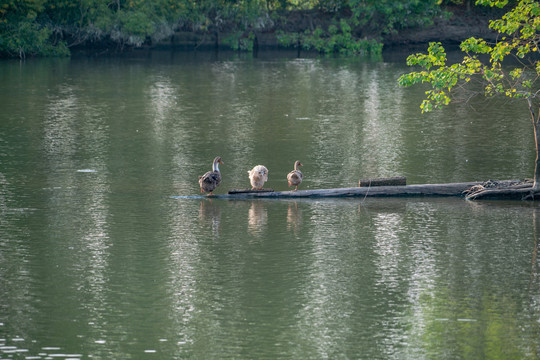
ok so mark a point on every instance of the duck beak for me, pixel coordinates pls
(221, 162)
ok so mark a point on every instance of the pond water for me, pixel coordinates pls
(100, 259)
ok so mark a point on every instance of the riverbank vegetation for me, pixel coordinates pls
(57, 27)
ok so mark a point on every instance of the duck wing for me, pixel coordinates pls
(295, 177)
(210, 180)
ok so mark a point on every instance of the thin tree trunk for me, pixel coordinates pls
(536, 185)
(536, 126)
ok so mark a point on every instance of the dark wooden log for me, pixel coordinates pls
(249, 191)
(451, 189)
(388, 181)
(433, 190)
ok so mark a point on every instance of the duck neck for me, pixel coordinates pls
(215, 166)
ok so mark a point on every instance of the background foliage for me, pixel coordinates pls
(53, 27)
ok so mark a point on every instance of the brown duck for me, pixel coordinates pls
(294, 178)
(211, 179)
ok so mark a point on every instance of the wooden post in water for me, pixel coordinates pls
(388, 181)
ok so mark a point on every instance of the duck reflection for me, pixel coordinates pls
(294, 217)
(257, 217)
(3, 193)
(210, 213)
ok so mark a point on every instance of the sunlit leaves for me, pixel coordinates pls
(522, 24)
(498, 3)
(435, 99)
(441, 77)
(516, 73)
(413, 78)
(435, 57)
(523, 21)
(473, 45)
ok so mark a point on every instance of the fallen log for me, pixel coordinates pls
(451, 189)
(388, 181)
(249, 191)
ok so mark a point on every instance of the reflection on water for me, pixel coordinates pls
(381, 135)
(164, 100)
(209, 213)
(257, 218)
(98, 260)
(294, 217)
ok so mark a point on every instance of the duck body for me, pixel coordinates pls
(258, 176)
(211, 179)
(295, 177)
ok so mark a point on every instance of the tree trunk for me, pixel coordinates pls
(536, 186)
(536, 126)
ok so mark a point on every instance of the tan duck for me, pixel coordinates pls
(258, 176)
(211, 179)
(294, 178)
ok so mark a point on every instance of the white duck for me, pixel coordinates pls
(294, 178)
(258, 176)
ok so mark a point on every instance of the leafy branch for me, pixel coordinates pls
(519, 40)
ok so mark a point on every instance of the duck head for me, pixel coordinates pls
(217, 161)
